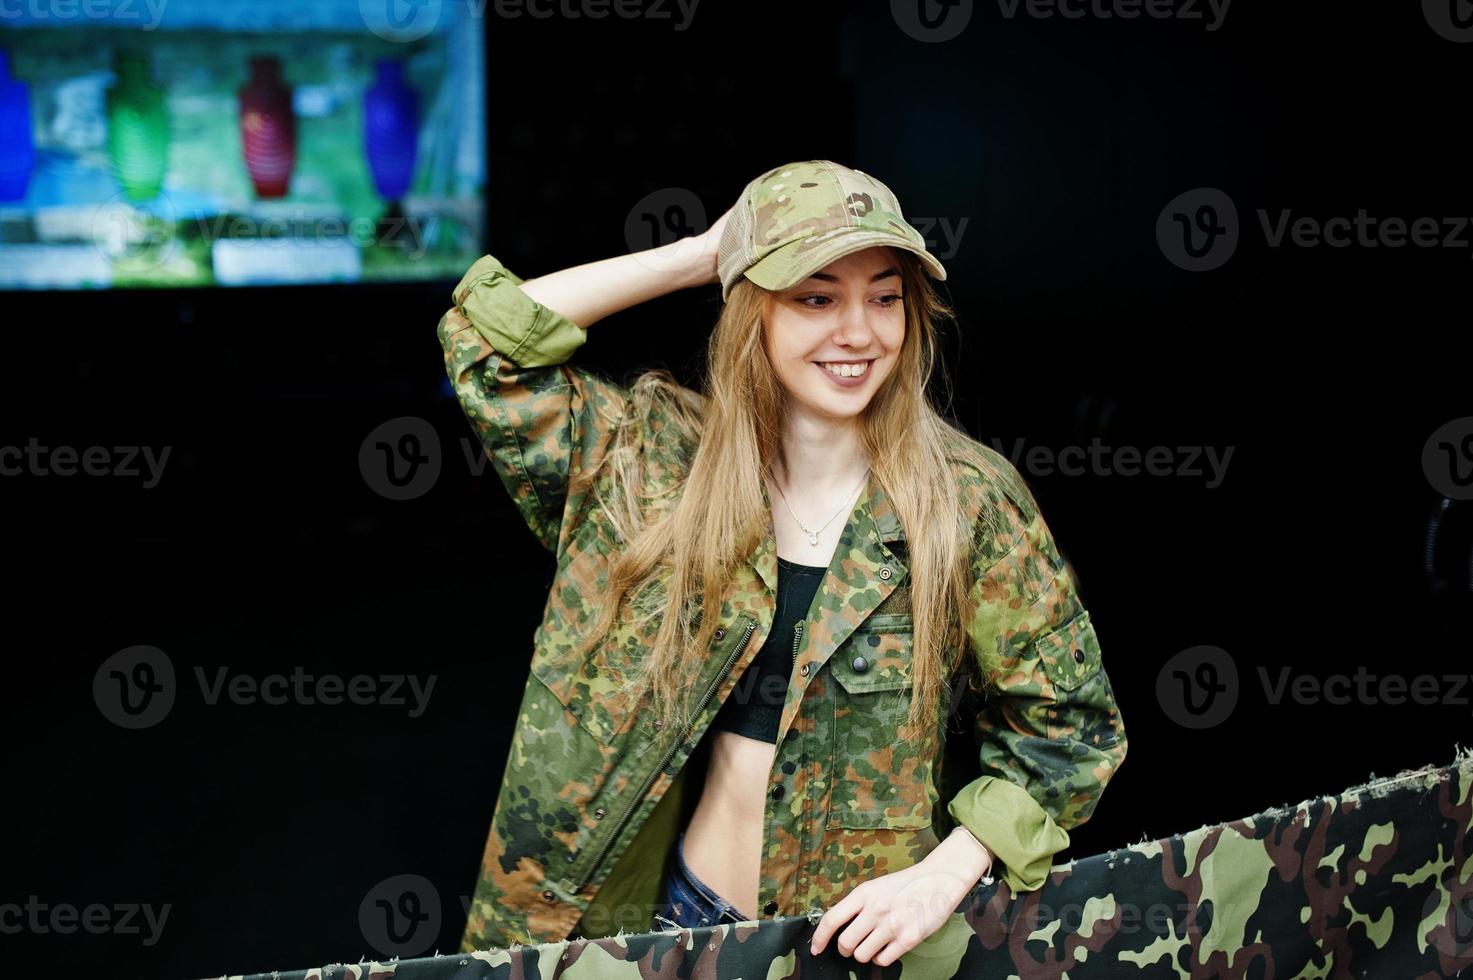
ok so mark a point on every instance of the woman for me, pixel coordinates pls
(816, 787)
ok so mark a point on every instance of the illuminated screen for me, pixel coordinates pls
(148, 143)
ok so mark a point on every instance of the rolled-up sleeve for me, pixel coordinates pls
(541, 421)
(1050, 731)
(525, 332)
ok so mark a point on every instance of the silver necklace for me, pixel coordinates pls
(813, 535)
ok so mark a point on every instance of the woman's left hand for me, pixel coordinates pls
(892, 913)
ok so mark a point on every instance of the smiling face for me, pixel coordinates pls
(836, 336)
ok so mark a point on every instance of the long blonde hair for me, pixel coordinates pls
(693, 534)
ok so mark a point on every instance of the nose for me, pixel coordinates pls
(854, 329)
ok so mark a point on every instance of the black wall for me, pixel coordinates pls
(1058, 142)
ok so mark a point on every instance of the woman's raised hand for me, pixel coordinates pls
(711, 240)
(587, 293)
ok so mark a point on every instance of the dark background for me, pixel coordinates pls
(1058, 142)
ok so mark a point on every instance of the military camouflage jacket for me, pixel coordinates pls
(589, 806)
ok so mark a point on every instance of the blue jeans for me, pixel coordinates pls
(689, 902)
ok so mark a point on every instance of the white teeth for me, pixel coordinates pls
(847, 370)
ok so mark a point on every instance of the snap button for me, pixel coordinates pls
(721, 632)
(803, 670)
(770, 908)
(1078, 655)
(885, 572)
(548, 896)
(599, 813)
(777, 791)
(860, 665)
(659, 724)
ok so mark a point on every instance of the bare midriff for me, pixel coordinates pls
(723, 841)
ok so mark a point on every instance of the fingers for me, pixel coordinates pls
(880, 934)
(898, 947)
(876, 931)
(835, 917)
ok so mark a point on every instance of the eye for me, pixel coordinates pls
(890, 299)
(804, 301)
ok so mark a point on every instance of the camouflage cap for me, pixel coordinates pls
(794, 220)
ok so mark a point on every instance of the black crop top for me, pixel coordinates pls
(755, 705)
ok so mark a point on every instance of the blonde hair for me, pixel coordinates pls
(695, 534)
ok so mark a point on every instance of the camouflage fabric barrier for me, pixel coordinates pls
(1374, 882)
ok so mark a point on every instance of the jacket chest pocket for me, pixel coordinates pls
(881, 772)
(592, 690)
(591, 686)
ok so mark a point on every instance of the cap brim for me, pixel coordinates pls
(789, 265)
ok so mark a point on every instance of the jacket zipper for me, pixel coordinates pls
(797, 639)
(669, 753)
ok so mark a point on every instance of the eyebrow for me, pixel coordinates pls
(874, 278)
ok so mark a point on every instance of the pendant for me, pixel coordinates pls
(813, 539)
